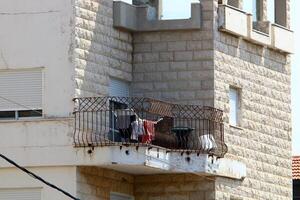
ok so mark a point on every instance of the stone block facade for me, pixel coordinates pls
(98, 183)
(264, 141)
(176, 65)
(101, 51)
(196, 67)
(174, 187)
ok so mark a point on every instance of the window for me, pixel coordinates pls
(20, 93)
(271, 10)
(118, 88)
(234, 97)
(18, 114)
(280, 10)
(250, 6)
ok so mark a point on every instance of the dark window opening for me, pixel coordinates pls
(7, 114)
(30, 113)
(20, 114)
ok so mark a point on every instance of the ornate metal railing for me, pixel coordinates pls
(105, 121)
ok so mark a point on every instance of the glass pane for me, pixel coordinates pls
(234, 99)
(177, 9)
(7, 115)
(30, 113)
(271, 11)
(249, 6)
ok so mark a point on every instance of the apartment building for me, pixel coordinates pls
(109, 100)
(296, 178)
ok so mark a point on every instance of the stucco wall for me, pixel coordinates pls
(264, 140)
(101, 51)
(63, 177)
(38, 33)
(176, 65)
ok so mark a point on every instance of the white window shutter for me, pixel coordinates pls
(20, 194)
(118, 88)
(21, 88)
(234, 106)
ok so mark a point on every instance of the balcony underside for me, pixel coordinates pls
(145, 160)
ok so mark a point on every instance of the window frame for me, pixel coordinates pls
(36, 109)
(237, 114)
(39, 114)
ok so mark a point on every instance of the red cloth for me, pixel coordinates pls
(149, 131)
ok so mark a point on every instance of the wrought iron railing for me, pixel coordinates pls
(105, 121)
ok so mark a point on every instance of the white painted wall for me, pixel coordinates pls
(63, 177)
(38, 33)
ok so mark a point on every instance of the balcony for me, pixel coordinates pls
(143, 18)
(237, 22)
(145, 122)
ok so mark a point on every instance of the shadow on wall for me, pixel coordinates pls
(101, 51)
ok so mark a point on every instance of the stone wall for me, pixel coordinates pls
(101, 51)
(176, 65)
(196, 66)
(174, 187)
(97, 183)
(263, 140)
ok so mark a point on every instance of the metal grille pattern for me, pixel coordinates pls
(137, 121)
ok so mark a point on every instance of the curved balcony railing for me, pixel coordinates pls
(107, 121)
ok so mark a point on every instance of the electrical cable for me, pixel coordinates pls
(16, 103)
(24, 169)
(72, 197)
(33, 110)
(37, 177)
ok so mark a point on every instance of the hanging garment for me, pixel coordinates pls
(137, 129)
(149, 131)
(123, 122)
(123, 118)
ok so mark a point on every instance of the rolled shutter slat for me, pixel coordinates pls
(20, 194)
(118, 88)
(23, 87)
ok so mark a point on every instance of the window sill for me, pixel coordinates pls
(236, 127)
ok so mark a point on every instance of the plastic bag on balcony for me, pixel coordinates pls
(207, 142)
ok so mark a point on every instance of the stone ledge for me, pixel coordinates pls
(137, 19)
(238, 22)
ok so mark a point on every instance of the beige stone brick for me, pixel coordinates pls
(183, 56)
(177, 46)
(166, 56)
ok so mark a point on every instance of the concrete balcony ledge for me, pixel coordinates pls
(283, 38)
(240, 23)
(139, 19)
(153, 161)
